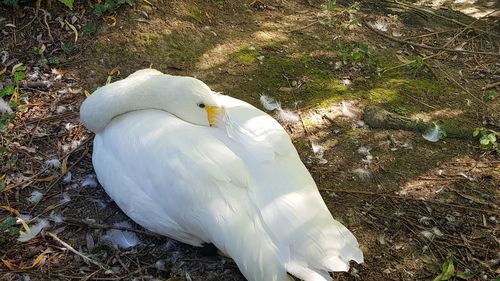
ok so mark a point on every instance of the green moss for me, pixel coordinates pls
(147, 39)
(246, 55)
(355, 133)
(196, 14)
(383, 95)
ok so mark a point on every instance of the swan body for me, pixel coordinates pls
(200, 167)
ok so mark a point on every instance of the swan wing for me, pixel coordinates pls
(288, 198)
(177, 179)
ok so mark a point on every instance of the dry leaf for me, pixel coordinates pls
(110, 20)
(9, 264)
(11, 210)
(111, 73)
(40, 259)
(64, 166)
(72, 27)
(49, 178)
(114, 71)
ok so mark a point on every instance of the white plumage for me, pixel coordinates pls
(200, 167)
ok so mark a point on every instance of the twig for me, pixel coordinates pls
(89, 224)
(443, 17)
(430, 34)
(412, 199)
(69, 247)
(423, 46)
(461, 86)
(57, 117)
(489, 86)
(53, 183)
(45, 15)
(410, 62)
(304, 27)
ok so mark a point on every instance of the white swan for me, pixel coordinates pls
(199, 167)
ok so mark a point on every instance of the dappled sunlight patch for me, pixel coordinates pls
(243, 50)
(269, 36)
(438, 114)
(383, 95)
(146, 39)
(246, 55)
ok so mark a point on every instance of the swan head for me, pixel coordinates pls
(185, 97)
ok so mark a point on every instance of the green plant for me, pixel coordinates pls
(19, 75)
(7, 91)
(490, 95)
(109, 6)
(448, 271)
(331, 5)
(11, 3)
(12, 92)
(68, 3)
(487, 139)
(306, 59)
(196, 14)
(90, 27)
(400, 109)
(220, 3)
(417, 64)
(68, 47)
(8, 230)
(358, 52)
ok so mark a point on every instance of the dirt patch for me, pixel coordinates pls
(410, 202)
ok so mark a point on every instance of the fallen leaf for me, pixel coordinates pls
(40, 259)
(111, 73)
(72, 27)
(64, 166)
(11, 210)
(114, 71)
(46, 179)
(8, 264)
(110, 20)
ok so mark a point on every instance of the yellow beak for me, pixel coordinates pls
(213, 113)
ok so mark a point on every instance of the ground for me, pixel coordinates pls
(410, 202)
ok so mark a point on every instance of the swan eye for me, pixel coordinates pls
(201, 105)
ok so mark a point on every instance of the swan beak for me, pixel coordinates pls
(213, 113)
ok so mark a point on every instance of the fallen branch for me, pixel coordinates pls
(377, 117)
(45, 85)
(423, 46)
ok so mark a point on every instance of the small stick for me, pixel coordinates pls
(489, 86)
(412, 199)
(56, 181)
(105, 226)
(45, 15)
(304, 27)
(408, 5)
(423, 46)
(69, 247)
